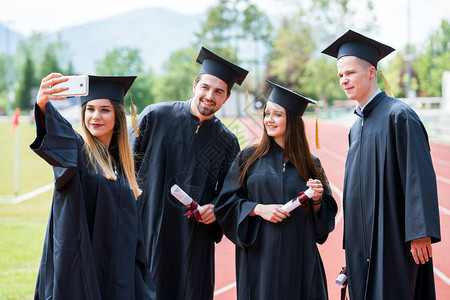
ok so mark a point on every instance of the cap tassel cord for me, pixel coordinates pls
(133, 116)
(317, 129)
(387, 87)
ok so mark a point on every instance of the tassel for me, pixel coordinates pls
(387, 87)
(133, 116)
(317, 129)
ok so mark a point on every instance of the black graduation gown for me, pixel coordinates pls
(93, 247)
(274, 261)
(173, 149)
(390, 198)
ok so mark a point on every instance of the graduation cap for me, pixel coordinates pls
(112, 88)
(289, 99)
(215, 65)
(108, 87)
(352, 43)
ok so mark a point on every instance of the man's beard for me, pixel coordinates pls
(205, 111)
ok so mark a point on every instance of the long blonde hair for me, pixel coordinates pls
(100, 158)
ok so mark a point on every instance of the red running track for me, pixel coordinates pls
(334, 146)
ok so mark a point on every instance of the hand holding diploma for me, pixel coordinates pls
(300, 200)
(207, 214)
(193, 208)
(317, 187)
(270, 212)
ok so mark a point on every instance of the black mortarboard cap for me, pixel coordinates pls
(108, 87)
(289, 99)
(215, 65)
(352, 43)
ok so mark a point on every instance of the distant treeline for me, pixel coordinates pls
(287, 53)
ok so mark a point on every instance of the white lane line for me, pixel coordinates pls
(29, 195)
(343, 159)
(441, 275)
(440, 161)
(443, 179)
(334, 154)
(337, 192)
(224, 289)
(444, 210)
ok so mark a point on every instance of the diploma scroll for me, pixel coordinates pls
(193, 208)
(341, 279)
(299, 200)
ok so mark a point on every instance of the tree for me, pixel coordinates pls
(3, 83)
(434, 62)
(142, 91)
(257, 27)
(128, 61)
(331, 18)
(428, 64)
(50, 62)
(219, 28)
(232, 26)
(180, 71)
(320, 81)
(295, 59)
(26, 83)
(120, 61)
(292, 49)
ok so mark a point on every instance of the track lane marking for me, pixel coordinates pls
(26, 196)
(225, 288)
(441, 275)
(444, 210)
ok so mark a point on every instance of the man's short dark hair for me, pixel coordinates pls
(199, 76)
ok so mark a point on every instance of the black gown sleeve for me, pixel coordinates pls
(224, 168)
(417, 177)
(57, 143)
(233, 208)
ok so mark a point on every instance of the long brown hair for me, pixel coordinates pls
(100, 158)
(296, 149)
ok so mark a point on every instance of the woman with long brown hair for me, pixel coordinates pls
(93, 247)
(276, 251)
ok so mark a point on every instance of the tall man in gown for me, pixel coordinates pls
(184, 143)
(391, 214)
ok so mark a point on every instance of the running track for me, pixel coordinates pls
(333, 142)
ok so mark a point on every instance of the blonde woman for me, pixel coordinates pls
(93, 245)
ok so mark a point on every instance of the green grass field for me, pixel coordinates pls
(23, 225)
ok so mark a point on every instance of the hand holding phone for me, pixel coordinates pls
(78, 86)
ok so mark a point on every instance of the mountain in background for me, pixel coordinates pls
(9, 39)
(156, 32)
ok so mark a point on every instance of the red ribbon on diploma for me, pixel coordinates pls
(193, 211)
(303, 199)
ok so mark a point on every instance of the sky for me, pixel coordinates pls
(26, 16)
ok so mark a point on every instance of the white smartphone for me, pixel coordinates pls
(78, 86)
